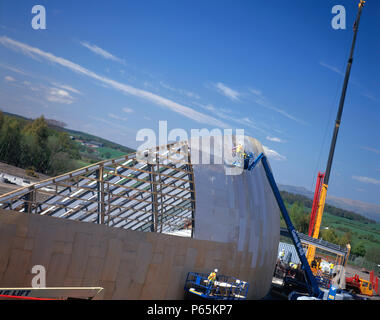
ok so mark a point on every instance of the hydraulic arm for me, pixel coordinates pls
(310, 279)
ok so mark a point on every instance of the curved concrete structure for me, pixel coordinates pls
(239, 207)
(236, 228)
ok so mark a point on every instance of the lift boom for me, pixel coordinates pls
(311, 282)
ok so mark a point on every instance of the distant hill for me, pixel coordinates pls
(368, 210)
(60, 126)
(46, 146)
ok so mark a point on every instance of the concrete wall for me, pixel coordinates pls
(127, 264)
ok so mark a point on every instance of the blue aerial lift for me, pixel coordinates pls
(311, 282)
(197, 284)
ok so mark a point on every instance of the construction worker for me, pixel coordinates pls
(239, 149)
(293, 265)
(212, 277)
(282, 254)
(331, 268)
(239, 155)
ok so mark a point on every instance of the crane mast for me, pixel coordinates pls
(323, 191)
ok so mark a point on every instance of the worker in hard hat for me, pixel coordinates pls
(211, 281)
(293, 265)
(239, 149)
(282, 254)
(331, 268)
(239, 152)
(212, 277)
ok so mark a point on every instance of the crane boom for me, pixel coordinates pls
(322, 200)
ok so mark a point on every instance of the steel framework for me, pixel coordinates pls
(151, 191)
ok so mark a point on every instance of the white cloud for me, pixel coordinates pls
(14, 69)
(67, 87)
(127, 110)
(256, 92)
(270, 153)
(59, 95)
(370, 149)
(364, 91)
(101, 52)
(114, 116)
(124, 88)
(9, 79)
(262, 101)
(332, 68)
(366, 179)
(180, 91)
(228, 92)
(226, 115)
(274, 139)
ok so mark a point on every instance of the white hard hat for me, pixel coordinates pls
(216, 270)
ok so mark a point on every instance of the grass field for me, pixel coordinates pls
(367, 234)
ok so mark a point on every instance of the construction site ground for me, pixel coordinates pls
(275, 292)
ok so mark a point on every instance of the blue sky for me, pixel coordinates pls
(273, 68)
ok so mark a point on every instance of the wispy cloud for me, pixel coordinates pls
(370, 149)
(59, 96)
(263, 101)
(180, 91)
(117, 117)
(332, 68)
(366, 179)
(226, 114)
(101, 52)
(14, 69)
(273, 154)
(124, 88)
(9, 79)
(364, 91)
(274, 139)
(228, 92)
(67, 87)
(127, 110)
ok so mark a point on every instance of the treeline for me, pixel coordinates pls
(104, 142)
(308, 203)
(300, 216)
(35, 146)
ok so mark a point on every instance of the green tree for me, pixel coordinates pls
(1, 119)
(345, 239)
(10, 138)
(359, 250)
(373, 254)
(330, 236)
(300, 217)
(36, 135)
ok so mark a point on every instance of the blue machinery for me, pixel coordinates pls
(312, 284)
(195, 279)
(224, 288)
